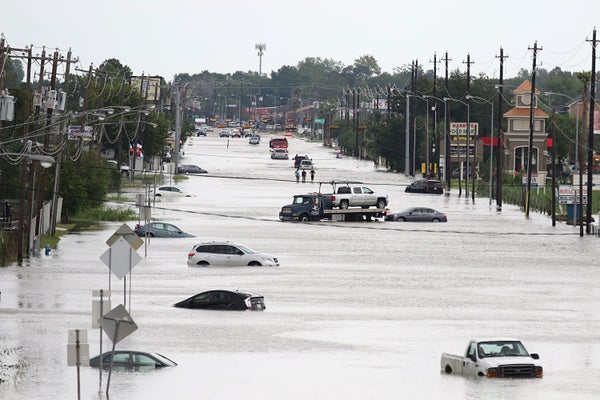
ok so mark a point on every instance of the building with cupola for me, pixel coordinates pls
(516, 136)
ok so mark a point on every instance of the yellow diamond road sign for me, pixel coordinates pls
(128, 234)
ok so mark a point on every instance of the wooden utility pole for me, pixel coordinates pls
(470, 174)
(500, 147)
(447, 162)
(590, 149)
(531, 129)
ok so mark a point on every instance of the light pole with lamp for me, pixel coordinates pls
(476, 98)
(45, 161)
(576, 121)
(433, 145)
(577, 208)
(467, 150)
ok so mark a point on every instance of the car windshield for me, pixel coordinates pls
(246, 250)
(164, 359)
(502, 348)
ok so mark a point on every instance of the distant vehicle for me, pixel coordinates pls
(190, 169)
(306, 164)
(425, 186)
(298, 158)
(280, 154)
(225, 133)
(417, 214)
(170, 191)
(132, 360)
(201, 131)
(506, 358)
(254, 140)
(224, 300)
(278, 143)
(354, 194)
(161, 229)
(319, 206)
(248, 132)
(235, 132)
(228, 254)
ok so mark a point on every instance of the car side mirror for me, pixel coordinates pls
(535, 356)
(471, 357)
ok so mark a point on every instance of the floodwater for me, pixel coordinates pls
(358, 310)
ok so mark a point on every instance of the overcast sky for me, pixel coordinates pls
(189, 36)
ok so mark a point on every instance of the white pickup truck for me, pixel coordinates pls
(505, 358)
(354, 194)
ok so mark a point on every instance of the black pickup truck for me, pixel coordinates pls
(307, 207)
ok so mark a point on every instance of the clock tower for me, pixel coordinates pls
(517, 135)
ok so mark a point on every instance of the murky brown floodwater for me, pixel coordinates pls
(355, 311)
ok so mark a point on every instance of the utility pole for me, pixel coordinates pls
(413, 137)
(553, 202)
(531, 127)
(434, 143)
(447, 163)
(500, 147)
(590, 149)
(468, 151)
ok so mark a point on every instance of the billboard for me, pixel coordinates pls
(148, 87)
(458, 130)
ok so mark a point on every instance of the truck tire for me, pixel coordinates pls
(125, 174)
(381, 203)
(402, 219)
(304, 218)
(344, 204)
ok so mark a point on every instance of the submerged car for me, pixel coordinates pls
(425, 186)
(228, 254)
(130, 359)
(224, 300)
(254, 140)
(161, 229)
(190, 169)
(170, 191)
(306, 164)
(417, 214)
(280, 154)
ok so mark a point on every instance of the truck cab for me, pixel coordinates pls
(307, 207)
(494, 358)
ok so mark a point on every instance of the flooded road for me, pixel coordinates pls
(355, 310)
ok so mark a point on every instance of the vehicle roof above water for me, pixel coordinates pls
(504, 339)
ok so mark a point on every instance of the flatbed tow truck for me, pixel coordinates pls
(319, 206)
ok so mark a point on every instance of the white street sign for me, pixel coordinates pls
(120, 258)
(121, 318)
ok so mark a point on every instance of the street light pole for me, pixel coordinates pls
(491, 139)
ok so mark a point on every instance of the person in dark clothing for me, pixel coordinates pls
(312, 175)
(303, 176)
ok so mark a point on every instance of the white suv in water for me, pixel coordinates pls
(228, 254)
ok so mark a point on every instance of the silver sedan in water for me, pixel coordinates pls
(418, 214)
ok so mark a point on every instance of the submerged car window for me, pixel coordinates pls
(141, 359)
(205, 249)
(173, 229)
(119, 358)
(246, 250)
